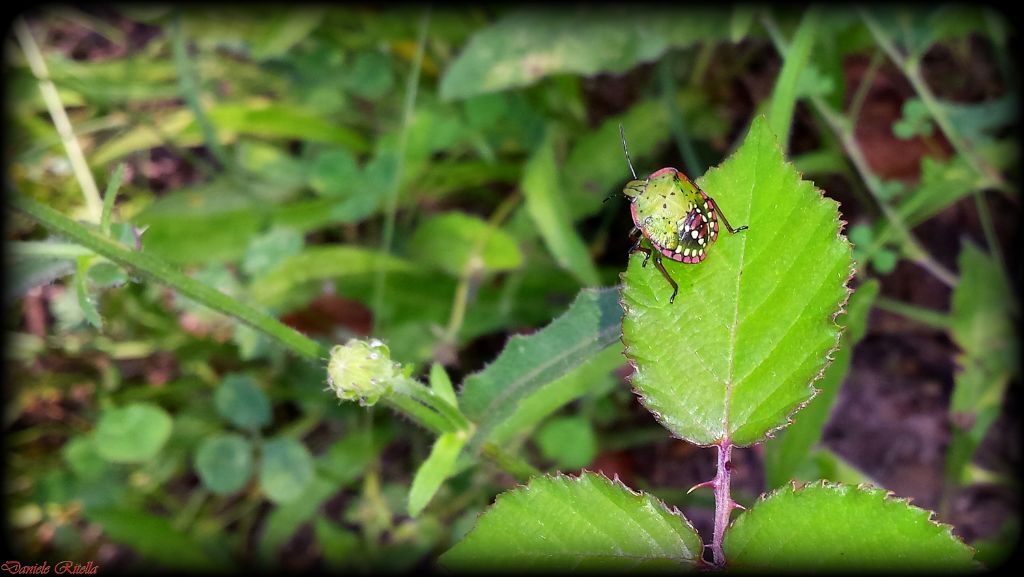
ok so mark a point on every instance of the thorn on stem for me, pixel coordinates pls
(706, 484)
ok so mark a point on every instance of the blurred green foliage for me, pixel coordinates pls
(260, 145)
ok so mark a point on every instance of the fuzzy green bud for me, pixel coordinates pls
(361, 371)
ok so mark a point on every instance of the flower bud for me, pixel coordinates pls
(361, 370)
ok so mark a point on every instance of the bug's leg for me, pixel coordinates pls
(725, 221)
(633, 233)
(664, 273)
(643, 249)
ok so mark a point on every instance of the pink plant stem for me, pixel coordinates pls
(723, 501)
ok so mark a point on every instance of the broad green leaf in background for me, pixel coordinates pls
(267, 250)
(830, 466)
(256, 117)
(133, 433)
(319, 263)
(594, 374)
(154, 538)
(241, 402)
(524, 46)
(448, 241)
(568, 441)
(287, 30)
(28, 271)
(752, 326)
(784, 454)
(942, 184)
(347, 459)
(83, 458)
(826, 527)
(586, 523)
(596, 164)
(286, 469)
(545, 203)
(341, 547)
(984, 316)
(435, 470)
(285, 519)
(785, 93)
(527, 363)
(224, 463)
(343, 463)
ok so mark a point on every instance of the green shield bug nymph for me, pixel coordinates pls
(676, 217)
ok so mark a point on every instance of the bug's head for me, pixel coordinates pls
(634, 188)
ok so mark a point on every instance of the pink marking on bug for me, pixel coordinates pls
(661, 171)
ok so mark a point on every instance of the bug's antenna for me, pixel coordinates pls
(622, 133)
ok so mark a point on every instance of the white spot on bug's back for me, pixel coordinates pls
(693, 234)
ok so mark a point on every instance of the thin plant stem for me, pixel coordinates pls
(391, 201)
(190, 90)
(866, 81)
(784, 95)
(109, 196)
(426, 396)
(149, 266)
(419, 413)
(841, 127)
(723, 500)
(461, 298)
(928, 317)
(515, 466)
(912, 72)
(910, 69)
(40, 248)
(988, 228)
(60, 120)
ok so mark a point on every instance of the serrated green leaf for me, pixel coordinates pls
(224, 463)
(984, 317)
(435, 470)
(527, 45)
(784, 454)
(241, 402)
(92, 315)
(583, 523)
(448, 241)
(528, 363)
(825, 527)
(133, 433)
(286, 469)
(752, 326)
(543, 191)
